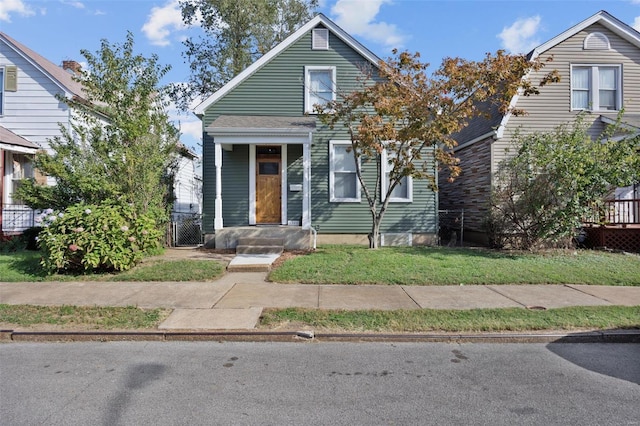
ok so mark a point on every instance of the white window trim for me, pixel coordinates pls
(385, 183)
(594, 95)
(308, 106)
(332, 197)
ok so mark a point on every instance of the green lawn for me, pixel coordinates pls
(25, 266)
(84, 318)
(476, 320)
(449, 266)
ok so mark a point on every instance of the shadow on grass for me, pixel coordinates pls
(27, 263)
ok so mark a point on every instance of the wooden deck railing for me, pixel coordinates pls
(616, 212)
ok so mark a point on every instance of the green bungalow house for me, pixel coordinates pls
(272, 170)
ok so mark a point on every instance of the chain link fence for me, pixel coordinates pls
(186, 230)
(451, 228)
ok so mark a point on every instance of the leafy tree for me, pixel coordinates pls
(236, 33)
(120, 143)
(555, 179)
(409, 113)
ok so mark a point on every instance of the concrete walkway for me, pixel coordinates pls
(235, 301)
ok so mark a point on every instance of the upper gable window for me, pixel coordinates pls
(596, 41)
(320, 39)
(596, 87)
(320, 86)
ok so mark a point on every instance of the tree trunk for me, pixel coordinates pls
(374, 235)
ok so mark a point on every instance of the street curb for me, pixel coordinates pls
(606, 336)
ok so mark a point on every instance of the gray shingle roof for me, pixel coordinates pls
(10, 138)
(263, 122)
(61, 76)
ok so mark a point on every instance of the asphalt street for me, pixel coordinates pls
(311, 383)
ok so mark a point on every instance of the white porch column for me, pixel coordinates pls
(217, 222)
(306, 184)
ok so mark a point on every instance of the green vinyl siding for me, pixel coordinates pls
(278, 89)
(294, 177)
(235, 188)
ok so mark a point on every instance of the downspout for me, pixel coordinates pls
(315, 236)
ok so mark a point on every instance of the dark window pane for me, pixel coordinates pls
(269, 168)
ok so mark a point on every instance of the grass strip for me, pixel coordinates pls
(476, 320)
(100, 318)
(24, 266)
(455, 266)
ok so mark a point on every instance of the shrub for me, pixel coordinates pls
(108, 237)
(11, 243)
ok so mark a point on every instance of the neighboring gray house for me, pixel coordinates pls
(271, 169)
(599, 64)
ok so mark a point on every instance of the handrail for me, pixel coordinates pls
(615, 212)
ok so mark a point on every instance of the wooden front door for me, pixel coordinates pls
(268, 184)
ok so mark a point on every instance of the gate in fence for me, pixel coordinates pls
(451, 228)
(186, 230)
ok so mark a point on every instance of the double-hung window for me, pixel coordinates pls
(21, 168)
(343, 180)
(403, 191)
(320, 86)
(596, 87)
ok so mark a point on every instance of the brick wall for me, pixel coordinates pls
(471, 190)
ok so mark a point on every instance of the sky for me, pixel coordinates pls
(59, 29)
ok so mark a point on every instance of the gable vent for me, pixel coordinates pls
(320, 39)
(596, 41)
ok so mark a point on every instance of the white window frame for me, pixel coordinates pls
(332, 197)
(11, 179)
(594, 88)
(386, 169)
(308, 106)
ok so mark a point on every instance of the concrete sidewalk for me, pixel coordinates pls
(235, 301)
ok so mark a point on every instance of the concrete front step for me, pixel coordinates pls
(260, 246)
(257, 241)
(252, 262)
(258, 249)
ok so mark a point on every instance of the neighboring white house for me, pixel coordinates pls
(30, 115)
(187, 184)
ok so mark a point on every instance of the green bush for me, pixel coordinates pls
(86, 238)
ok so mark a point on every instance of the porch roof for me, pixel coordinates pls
(235, 123)
(255, 129)
(12, 142)
(631, 122)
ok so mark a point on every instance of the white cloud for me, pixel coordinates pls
(357, 17)
(192, 129)
(636, 23)
(161, 21)
(14, 6)
(520, 36)
(76, 4)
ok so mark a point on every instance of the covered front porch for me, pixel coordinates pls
(262, 167)
(16, 163)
